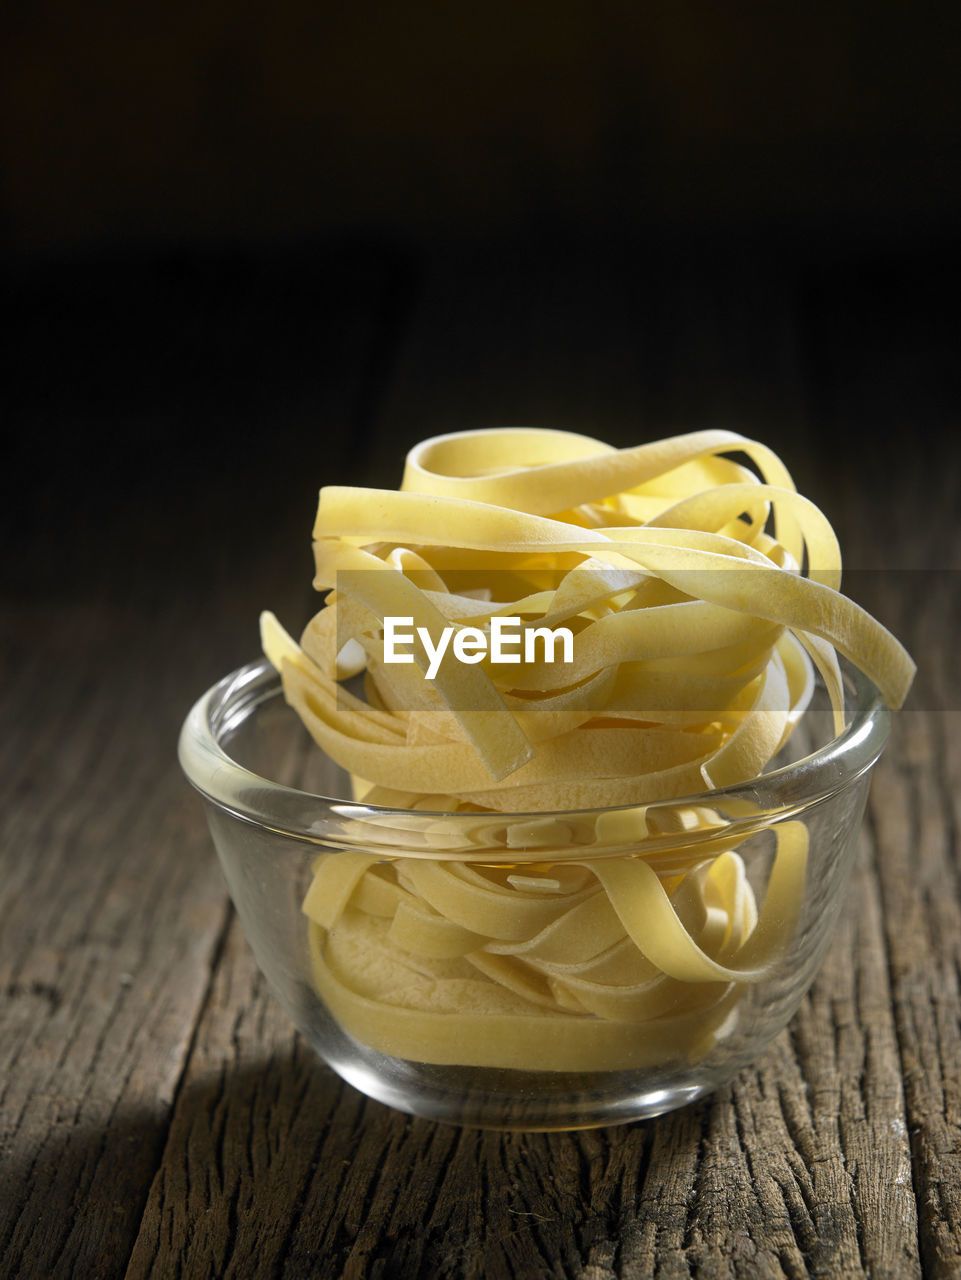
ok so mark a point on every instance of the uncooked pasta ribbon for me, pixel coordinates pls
(581, 966)
(699, 592)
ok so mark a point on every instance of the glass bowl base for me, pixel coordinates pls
(507, 1099)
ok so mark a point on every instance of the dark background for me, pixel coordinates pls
(253, 249)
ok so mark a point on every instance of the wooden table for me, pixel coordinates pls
(159, 1117)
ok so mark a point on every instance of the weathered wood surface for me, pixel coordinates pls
(159, 1117)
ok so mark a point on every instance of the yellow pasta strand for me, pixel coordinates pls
(421, 985)
(698, 590)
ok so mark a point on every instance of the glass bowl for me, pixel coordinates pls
(541, 970)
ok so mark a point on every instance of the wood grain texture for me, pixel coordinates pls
(159, 1117)
(802, 1167)
(919, 874)
(111, 912)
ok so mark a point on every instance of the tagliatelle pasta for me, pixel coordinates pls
(698, 588)
(450, 963)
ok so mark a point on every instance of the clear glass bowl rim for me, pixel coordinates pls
(773, 796)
